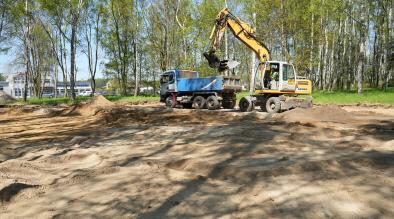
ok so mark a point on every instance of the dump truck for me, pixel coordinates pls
(185, 88)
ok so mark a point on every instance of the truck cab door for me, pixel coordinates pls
(167, 83)
(288, 78)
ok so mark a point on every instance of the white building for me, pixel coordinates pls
(80, 86)
(15, 86)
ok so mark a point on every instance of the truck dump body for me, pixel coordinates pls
(185, 88)
(199, 84)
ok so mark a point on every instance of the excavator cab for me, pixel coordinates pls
(277, 75)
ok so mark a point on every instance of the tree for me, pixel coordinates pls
(92, 37)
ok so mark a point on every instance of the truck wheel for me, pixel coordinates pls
(170, 102)
(273, 105)
(213, 103)
(246, 104)
(199, 102)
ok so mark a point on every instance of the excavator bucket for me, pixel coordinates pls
(212, 58)
(221, 65)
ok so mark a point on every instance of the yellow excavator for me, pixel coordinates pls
(273, 79)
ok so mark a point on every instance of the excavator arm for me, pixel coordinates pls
(242, 31)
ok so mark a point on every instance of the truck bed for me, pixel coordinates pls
(215, 83)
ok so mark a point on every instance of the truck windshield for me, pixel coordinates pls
(166, 78)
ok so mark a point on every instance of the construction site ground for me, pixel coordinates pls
(101, 160)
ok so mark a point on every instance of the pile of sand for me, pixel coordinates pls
(329, 113)
(5, 98)
(95, 105)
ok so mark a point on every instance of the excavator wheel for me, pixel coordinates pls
(199, 102)
(246, 104)
(273, 105)
(213, 103)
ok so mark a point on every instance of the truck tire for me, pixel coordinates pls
(199, 102)
(273, 105)
(246, 104)
(213, 103)
(170, 102)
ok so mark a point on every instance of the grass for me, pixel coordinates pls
(51, 101)
(132, 99)
(65, 100)
(370, 96)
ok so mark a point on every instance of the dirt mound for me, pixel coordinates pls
(91, 108)
(330, 113)
(5, 98)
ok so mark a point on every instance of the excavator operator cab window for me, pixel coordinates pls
(271, 76)
(274, 73)
(288, 72)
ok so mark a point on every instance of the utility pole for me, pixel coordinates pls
(253, 55)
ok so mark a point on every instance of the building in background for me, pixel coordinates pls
(80, 87)
(4, 86)
(15, 86)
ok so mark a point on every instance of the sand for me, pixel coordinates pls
(91, 108)
(5, 98)
(151, 162)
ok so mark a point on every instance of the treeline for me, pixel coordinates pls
(339, 44)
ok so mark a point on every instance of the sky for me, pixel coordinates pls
(8, 65)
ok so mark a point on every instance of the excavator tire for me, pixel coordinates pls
(199, 102)
(273, 105)
(213, 103)
(246, 104)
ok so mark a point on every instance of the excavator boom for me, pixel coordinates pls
(241, 30)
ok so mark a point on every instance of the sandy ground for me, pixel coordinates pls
(151, 162)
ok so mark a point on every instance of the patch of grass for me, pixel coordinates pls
(132, 99)
(65, 100)
(52, 101)
(369, 96)
(242, 94)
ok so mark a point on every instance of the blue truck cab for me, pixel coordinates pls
(185, 88)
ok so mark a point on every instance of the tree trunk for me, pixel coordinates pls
(360, 67)
(311, 72)
(26, 54)
(73, 42)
